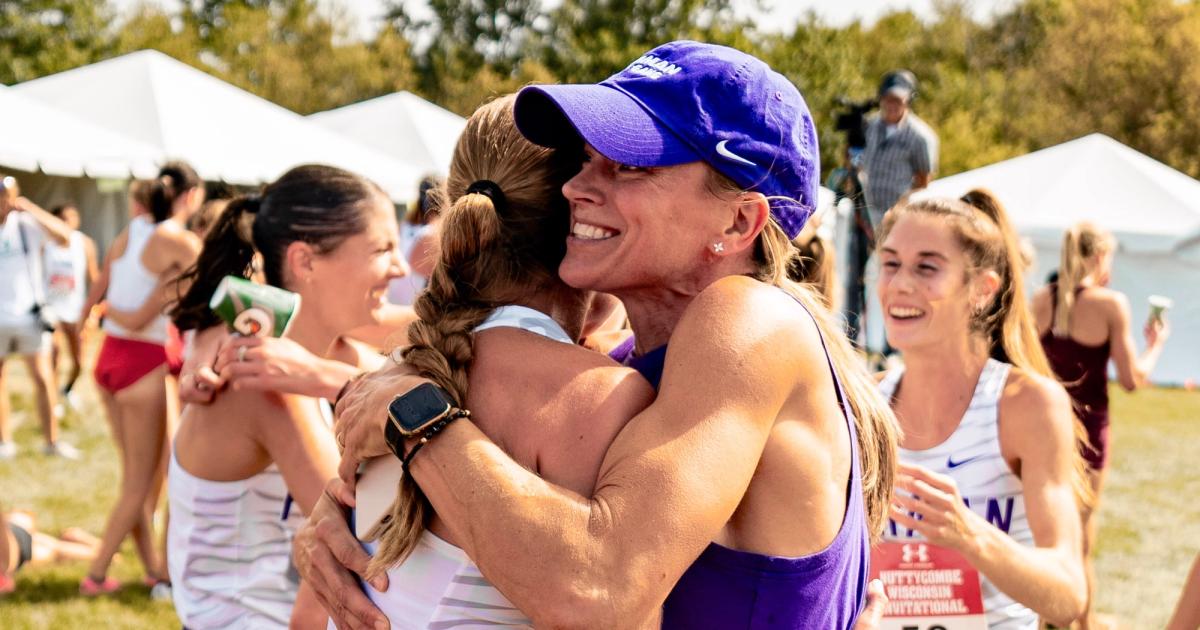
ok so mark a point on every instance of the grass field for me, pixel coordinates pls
(1149, 529)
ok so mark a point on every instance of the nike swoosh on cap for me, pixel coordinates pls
(726, 153)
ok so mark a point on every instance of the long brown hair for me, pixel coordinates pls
(495, 250)
(1083, 241)
(876, 426)
(988, 240)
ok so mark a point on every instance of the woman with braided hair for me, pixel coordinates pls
(494, 295)
(329, 236)
(746, 494)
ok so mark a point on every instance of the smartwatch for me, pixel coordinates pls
(420, 413)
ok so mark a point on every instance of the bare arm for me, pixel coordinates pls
(1048, 577)
(1187, 611)
(93, 269)
(1133, 371)
(55, 227)
(302, 445)
(683, 465)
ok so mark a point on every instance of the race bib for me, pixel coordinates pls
(60, 284)
(928, 587)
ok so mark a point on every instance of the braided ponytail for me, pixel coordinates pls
(498, 246)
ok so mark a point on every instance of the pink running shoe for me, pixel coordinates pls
(91, 588)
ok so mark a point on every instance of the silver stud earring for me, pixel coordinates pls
(718, 247)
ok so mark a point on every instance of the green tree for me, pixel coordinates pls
(40, 37)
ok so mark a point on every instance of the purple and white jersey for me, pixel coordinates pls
(971, 456)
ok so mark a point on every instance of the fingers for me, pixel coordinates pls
(943, 483)
(348, 474)
(872, 614)
(340, 595)
(935, 498)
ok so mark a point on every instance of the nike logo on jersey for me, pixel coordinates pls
(950, 463)
(726, 153)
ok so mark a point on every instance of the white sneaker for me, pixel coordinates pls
(73, 401)
(59, 411)
(61, 449)
(161, 592)
(8, 450)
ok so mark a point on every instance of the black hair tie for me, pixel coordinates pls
(489, 189)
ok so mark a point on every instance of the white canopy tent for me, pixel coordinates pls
(1153, 210)
(226, 133)
(402, 125)
(40, 137)
(57, 157)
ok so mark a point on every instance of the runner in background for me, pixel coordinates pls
(24, 326)
(69, 269)
(1083, 325)
(133, 370)
(986, 459)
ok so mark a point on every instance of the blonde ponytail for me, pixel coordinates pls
(1081, 243)
(495, 249)
(876, 425)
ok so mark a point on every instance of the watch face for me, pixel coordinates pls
(419, 407)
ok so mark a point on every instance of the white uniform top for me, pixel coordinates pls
(18, 292)
(130, 283)
(971, 456)
(66, 277)
(438, 587)
(231, 553)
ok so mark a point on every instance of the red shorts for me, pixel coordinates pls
(123, 362)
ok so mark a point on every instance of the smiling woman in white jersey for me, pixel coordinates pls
(989, 466)
(329, 236)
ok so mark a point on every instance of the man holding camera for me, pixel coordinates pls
(24, 329)
(902, 150)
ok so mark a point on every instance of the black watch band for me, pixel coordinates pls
(396, 441)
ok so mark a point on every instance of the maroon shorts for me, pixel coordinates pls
(1095, 452)
(123, 362)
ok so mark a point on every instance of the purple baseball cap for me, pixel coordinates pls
(691, 102)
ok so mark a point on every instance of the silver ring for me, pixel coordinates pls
(241, 357)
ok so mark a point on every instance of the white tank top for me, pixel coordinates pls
(130, 283)
(971, 456)
(66, 277)
(231, 552)
(439, 585)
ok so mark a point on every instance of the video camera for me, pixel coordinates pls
(852, 121)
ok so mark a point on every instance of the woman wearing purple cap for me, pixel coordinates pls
(746, 495)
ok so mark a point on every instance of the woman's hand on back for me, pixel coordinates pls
(279, 365)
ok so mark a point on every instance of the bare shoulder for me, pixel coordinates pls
(1103, 296)
(503, 353)
(1031, 400)
(740, 313)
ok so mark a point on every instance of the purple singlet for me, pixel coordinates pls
(730, 589)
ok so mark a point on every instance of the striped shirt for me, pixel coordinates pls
(231, 555)
(892, 160)
(971, 456)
